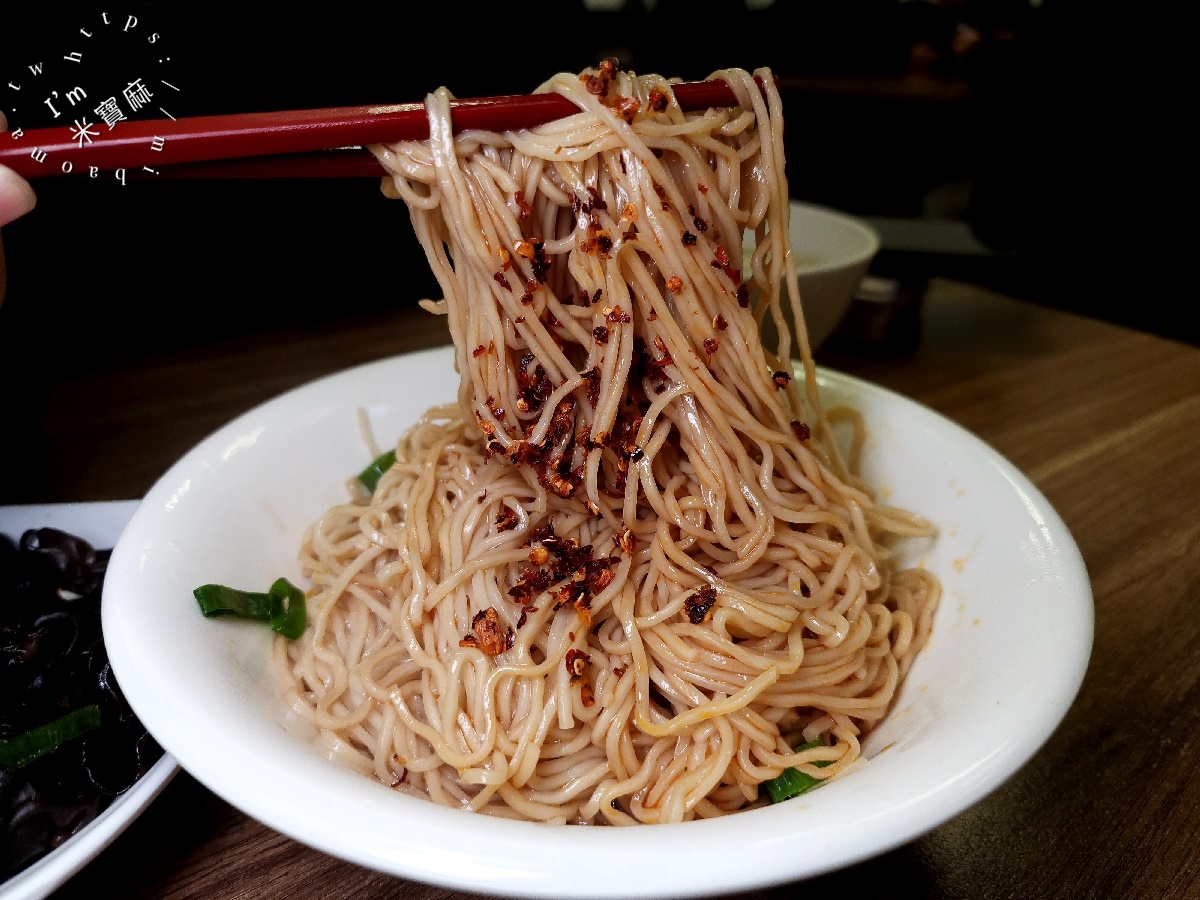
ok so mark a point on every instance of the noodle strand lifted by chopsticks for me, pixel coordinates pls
(628, 571)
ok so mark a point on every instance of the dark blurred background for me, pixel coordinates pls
(964, 131)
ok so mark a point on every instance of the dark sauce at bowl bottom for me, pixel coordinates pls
(53, 661)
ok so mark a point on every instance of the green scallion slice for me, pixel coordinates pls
(218, 600)
(294, 617)
(792, 782)
(283, 607)
(371, 474)
(23, 749)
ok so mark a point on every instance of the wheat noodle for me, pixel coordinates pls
(629, 570)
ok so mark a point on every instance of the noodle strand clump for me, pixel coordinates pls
(628, 571)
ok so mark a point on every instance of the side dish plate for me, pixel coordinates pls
(100, 524)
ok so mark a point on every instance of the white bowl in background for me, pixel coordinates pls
(832, 251)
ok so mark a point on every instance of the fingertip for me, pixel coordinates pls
(16, 196)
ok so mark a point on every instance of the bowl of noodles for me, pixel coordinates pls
(610, 578)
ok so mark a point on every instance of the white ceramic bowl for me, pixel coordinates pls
(832, 252)
(1009, 647)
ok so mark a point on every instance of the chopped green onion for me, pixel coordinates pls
(792, 782)
(371, 474)
(218, 600)
(283, 607)
(26, 747)
(294, 618)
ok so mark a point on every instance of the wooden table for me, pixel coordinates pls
(1106, 421)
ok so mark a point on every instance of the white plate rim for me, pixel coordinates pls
(447, 863)
(99, 522)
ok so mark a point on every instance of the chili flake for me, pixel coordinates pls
(698, 605)
(577, 662)
(487, 635)
(625, 540)
(522, 206)
(506, 518)
(627, 108)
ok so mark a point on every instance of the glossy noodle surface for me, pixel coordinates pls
(629, 570)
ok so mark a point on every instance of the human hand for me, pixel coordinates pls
(16, 194)
(16, 199)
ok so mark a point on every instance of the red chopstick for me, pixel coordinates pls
(152, 145)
